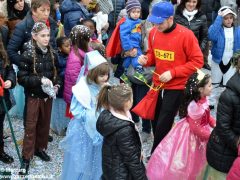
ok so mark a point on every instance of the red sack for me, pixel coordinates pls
(68, 112)
(114, 44)
(147, 106)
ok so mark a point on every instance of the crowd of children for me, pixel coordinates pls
(61, 62)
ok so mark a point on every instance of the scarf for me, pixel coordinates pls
(47, 22)
(189, 15)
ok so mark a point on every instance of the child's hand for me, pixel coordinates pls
(7, 84)
(105, 28)
(142, 60)
(133, 52)
(56, 88)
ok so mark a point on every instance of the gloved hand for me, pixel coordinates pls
(46, 82)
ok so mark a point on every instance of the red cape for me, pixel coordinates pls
(114, 45)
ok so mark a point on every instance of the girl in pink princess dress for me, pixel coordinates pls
(182, 153)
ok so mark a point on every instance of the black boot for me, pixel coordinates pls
(207, 66)
(50, 138)
(6, 158)
(24, 167)
(42, 155)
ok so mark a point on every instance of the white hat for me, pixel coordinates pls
(225, 10)
(93, 59)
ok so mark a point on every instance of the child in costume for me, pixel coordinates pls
(83, 144)
(130, 36)
(39, 76)
(59, 121)
(9, 77)
(121, 151)
(182, 153)
(80, 37)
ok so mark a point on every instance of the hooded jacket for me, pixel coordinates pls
(121, 151)
(73, 12)
(222, 145)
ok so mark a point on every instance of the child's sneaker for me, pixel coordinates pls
(125, 79)
(140, 76)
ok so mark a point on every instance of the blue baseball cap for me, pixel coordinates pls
(160, 12)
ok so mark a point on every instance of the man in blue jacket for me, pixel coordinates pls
(40, 10)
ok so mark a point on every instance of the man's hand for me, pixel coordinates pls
(142, 60)
(7, 84)
(165, 77)
(131, 53)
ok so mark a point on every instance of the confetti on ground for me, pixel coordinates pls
(48, 170)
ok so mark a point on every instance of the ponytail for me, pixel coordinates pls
(103, 100)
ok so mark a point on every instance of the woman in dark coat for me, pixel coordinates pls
(222, 148)
(188, 14)
(17, 10)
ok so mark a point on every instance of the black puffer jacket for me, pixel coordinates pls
(121, 149)
(44, 67)
(198, 25)
(7, 73)
(222, 145)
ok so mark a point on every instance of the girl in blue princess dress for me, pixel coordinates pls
(83, 144)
